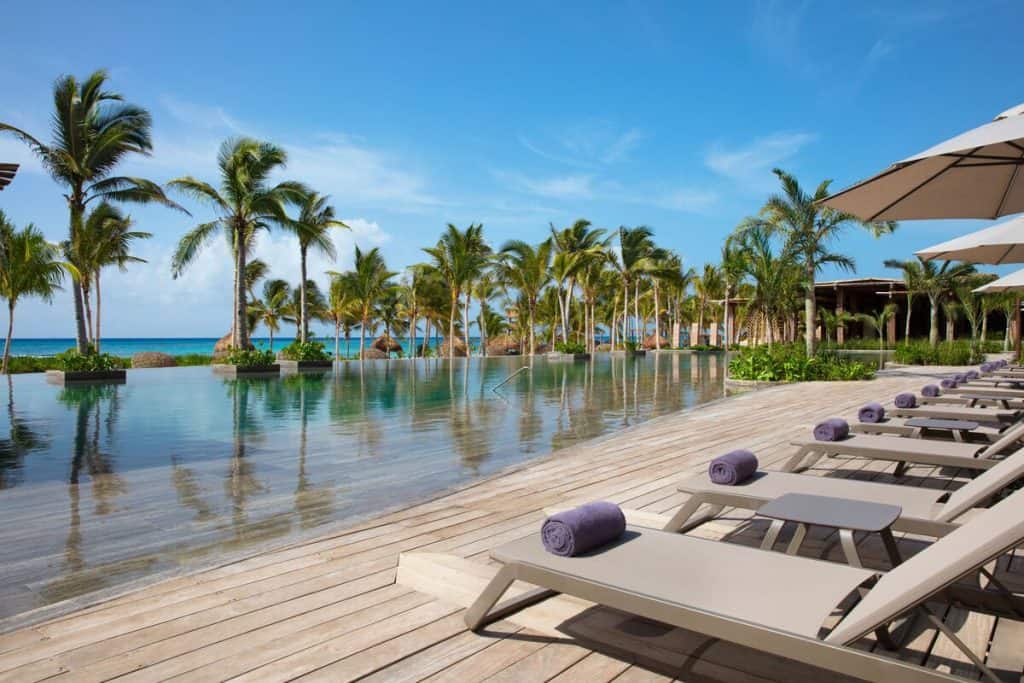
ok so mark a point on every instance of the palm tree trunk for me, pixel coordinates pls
(348, 346)
(75, 227)
(465, 321)
(337, 334)
(362, 334)
(99, 310)
(810, 311)
(412, 335)
(933, 330)
(636, 310)
(910, 309)
(10, 336)
(451, 324)
(241, 323)
(303, 318)
(87, 303)
(657, 320)
(271, 331)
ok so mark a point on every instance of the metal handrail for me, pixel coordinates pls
(525, 367)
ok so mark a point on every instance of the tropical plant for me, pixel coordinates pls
(972, 304)
(29, 267)
(342, 310)
(876, 322)
(913, 281)
(574, 247)
(936, 282)
(525, 268)
(273, 308)
(312, 227)
(91, 361)
(250, 358)
(637, 255)
(246, 203)
(305, 351)
(791, 363)
(459, 257)
(774, 276)
(366, 282)
(833, 321)
(808, 227)
(93, 130)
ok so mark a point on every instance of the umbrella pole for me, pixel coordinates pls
(1016, 330)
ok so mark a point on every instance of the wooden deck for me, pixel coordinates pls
(331, 609)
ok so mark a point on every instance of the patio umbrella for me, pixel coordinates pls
(1000, 243)
(1014, 282)
(974, 175)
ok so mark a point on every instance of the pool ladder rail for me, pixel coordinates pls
(507, 379)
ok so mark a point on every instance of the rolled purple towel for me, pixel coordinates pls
(930, 391)
(733, 468)
(871, 412)
(948, 383)
(832, 429)
(905, 400)
(574, 532)
(960, 378)
(987, 367)
(972, 375)
(1002, 362)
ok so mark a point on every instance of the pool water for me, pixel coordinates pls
(178, 468)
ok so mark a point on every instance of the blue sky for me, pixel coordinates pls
(413, 115)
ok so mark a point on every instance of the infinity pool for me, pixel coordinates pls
(106, 484)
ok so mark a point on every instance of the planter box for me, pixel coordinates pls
(298, 365)
(245, 371)
(630, 354)
(560, 357)
(84, 377)
(749, 384)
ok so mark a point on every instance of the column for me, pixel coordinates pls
(840, 302)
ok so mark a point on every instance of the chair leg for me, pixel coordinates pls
(803, 459)
(480, 613)
(686, 518)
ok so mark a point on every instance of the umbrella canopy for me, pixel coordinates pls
(1001, 243)
(1014, 282)
(974, 175)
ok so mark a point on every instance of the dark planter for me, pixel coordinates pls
(85, 377)
(245, 370)
(562, 357)
(298, 365)
(630, 354)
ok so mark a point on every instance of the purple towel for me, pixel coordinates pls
(930, 391)
(1002, 363)
(905, 400)
(948, 383)
(960, 378)
(832, 429)
(871, 412)
(972, 375)
(987, 367)
(732, 468)
(573, 532)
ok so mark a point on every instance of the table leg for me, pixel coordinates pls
(773, 534)
(916, 433)
(798, 538)
(849, 548)
(891, 548)
(958, 435)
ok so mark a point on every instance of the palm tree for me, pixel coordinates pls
(638, 254)
(246, 203)
(707, 286)
(273, 308)
(773, 275)
(876, 322)
(484, 289)
(341, 310)
(731, 268)
(459, 257)
(105, 240)
(575, 245)
(315, 305)
(525, 267)
(913, 278)
(312, 227)
(29, 266)
(808, 227)
(935, 282)
(832, 321)
(366, 282)
(92, 131)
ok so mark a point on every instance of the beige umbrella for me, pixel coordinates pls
(1014, 282)
(974, 175)
(1000, 243)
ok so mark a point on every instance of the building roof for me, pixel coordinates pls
(7, 172)
(860, 282)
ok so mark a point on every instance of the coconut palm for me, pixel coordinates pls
(972, 304)
(93, 130)
(459, 257)
(913, 278)
(273, 308)
(246, 203)
(366, 282)
(573, 246)
(315, 305)
(485, 289)
(525, 267)
(732, 273)
(707, 286)
(934, 281)
(637, 254)
(312, 227)
(773, 275)
(29, 266)
(833, 321)
(808, 227)
(876, 322)
(105, 240)
(341, 310)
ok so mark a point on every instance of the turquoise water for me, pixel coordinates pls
(179, 468)
(177, 346)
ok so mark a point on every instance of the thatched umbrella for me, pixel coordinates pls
(387, 345)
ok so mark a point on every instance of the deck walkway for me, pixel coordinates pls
(331, 609)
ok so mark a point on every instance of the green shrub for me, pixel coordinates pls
(21, 364)
(630, 345)
(310, 350)
(570, 347)
(704, 347)
(188, 359)
(90, 361)
(920, 352)
(790, 363)
(250, 358)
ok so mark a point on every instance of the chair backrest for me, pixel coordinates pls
(987, 536)
(982, 487)
(1011, 435)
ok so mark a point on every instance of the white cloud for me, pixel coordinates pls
(587, 144)
(622, 146)
(750, 165)
(572, 186)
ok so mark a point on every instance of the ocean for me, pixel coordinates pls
(177, 346)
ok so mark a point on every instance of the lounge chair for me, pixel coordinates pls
(900, 427)
(959, 412)
(768, 601)
(901, 450)
(928, 511)
(974, 399)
